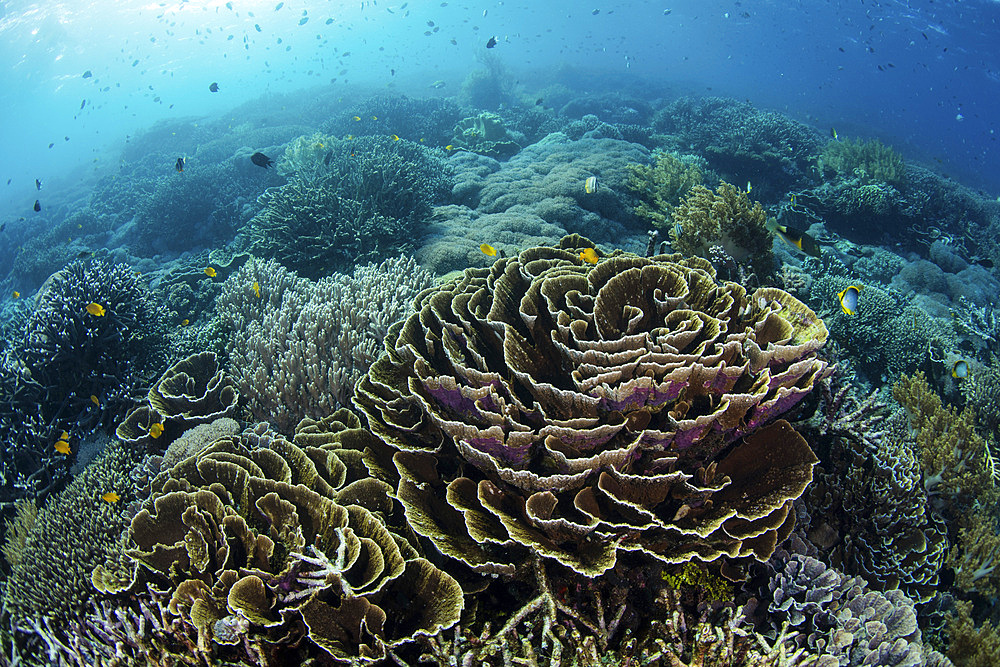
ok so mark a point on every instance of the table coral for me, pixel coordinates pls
(551, 407)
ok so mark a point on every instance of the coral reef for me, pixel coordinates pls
(569, 411)
(427, 120)
(661, 186)
(871, 161)
(346, 202)
(72, 371)
(72, 534)
(485, 134)
(614, 107)
(296, 346)
(275, 554)
(727, 219)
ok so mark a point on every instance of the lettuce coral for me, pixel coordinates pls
(552, 408)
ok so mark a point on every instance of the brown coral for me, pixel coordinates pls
(724, 218)
(276, 551)
(547, 406)
(661, 185)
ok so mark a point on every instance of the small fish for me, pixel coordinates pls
(63, 447)
(849, 299)
(326, 160)
(88, 74)
(110, 497)
(185, 322)
(96, 401)
(357, 118)
(449, 147)
(596, 12)
(590, 185)
(155, 430)
(395, 137)
(256, 289)
(491, 43)
(37, 206)
(749, 187)
(539, 101)
(261, 160)
(795, 238)
(84, 253)
(210, 272)
(179, 166)
(16, 294)
(374, 117)
(38, 184)
(960, 369)
(96, 309)
(438, 84)
(833, 134)
(589, 255)
(214, 87)
(488, 250)
(791, 198)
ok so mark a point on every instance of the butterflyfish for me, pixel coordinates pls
(960, 369)
(589, 255)
(110, 497)
(96, 309)
(590, 185)
(849, 299)
(155, 430)
(488, 250)
(210, 272)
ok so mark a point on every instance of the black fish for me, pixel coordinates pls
(84, 253)
(214, 87)
(38, 206)
(326, 160)
(3, 226)
(180, 164)
(38, 184)
(83, 103)
(490, 44)
(539, 101)
(88, 74)
(261, 160)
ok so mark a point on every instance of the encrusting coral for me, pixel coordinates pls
(547, 407)
(277, 553)
(725, 218)
(297, 346)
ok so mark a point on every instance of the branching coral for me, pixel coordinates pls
(298, 348)
(552, 407)
(661, 185)
(277, 554)
(723, 218)
(870, 160)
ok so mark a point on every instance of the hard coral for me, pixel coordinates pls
(871, 160)
(485, 134)
(723, 218)
(277, 554)
(551, 407)
(661, 186)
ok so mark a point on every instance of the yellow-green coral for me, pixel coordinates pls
(710, 586)
(723, 218)
(968, 645)
(305, 155)
(661, 185)
(18, 529)
(870, 160)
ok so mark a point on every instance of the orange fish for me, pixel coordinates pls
(110, 497)
(96, 309)
(63, 447)
(589, 255)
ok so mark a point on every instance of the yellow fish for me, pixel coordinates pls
(395, 137)
(488, 250)
(960, 369)
(849, 299)
(319, 145)
(590, 185)
(155, 430)
(589, 255)
(374, 117)
(350, 136)
(449, 147)
(96, 401)
(63, 447)
(16, 294)
(357, 118)
(185, 322)
(749, 187)
(96, 309)
(110, 497)
(210, 272)
(256, 289)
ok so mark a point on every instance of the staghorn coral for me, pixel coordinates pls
(278, 554)
(346, 202)
(72, 371)
(298, 348)
(869, 160)
(723, 218)
(661, 186)
(192, 391)
(547, 406)
(72, 534)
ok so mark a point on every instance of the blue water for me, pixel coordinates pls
(923, 76)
